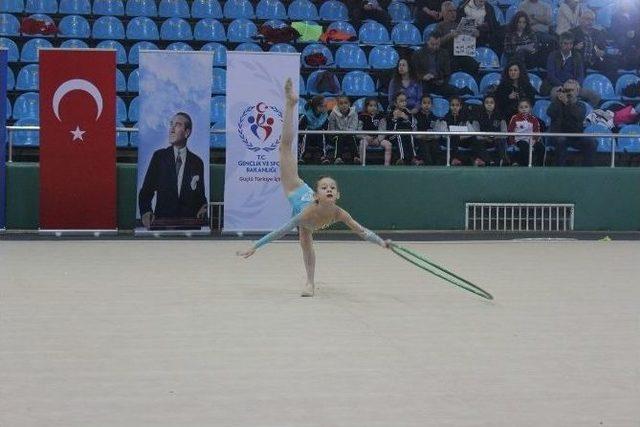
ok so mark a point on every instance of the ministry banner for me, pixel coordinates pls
(3, 141)
(77, 139)
(253, 196)
(173, 147)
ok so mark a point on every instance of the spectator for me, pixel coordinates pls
(519, 40)
(427, 121)
(401, 118)
(312, 148)
(539, 14)
(563, 64)
(485, 19)
(591, 43)
(457, 116)
(568, 16)
(487, 118)
(372, 119)
(404, 80)
(525, 122)
(369, 9)
(427, 12)
(514, 86)
(344, 117)
(433, 68)
(625, 31)
(567, 116)
(446, 32)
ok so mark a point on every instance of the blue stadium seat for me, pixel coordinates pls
(218, 109)
(283, 47)
(28, 77)
(405, 33)
(41, 6)
(507, 3)
(604, 143)
(312, 80)
(219, 81)
(499, 15)
(624, 81)
(511, 12)
(174, 8)
(141, 8)
(74, 44)
(275, 23)
(271, 9)
(206, 9)
(121, 82)
(241, 30)
(217, 140)
(12, 6)
(611, 105)
(473, 102)
(175, 29)
(122, 114)
(440, 106)
(302, 88)
(358, 83)
(9, 25)
(30, 49)
(75, 7)
(108, 7)
(11, 79)
(597, 4)
(26, 138)
(248, 47)
(344, 27)
(489, 81)
(179, 47)
(629, 144)
(540, 111)
(428, 30)
(133, 83)
(303, 10)
(27, 105)
(374, 33)
(383, 57)
(359, 104)
(12, 49)
(142, 28)
(317, 48)
(349, 56)
(399, 12)
(209, 29)
(536, 81)
(235, 9)
(42, 18)
(605, 14)
(74, 26)
(121, 54)
(122, 139)
(461, 80)
(133, 137)
(134, 52)
(488, 59)
(601, 85)
(333, 10)
(219, 53)
(301, 104)
(587, 107)
(8, 109)
(108, 28)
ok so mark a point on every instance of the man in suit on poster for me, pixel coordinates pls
(175, 177)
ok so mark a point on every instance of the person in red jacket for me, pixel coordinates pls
(525, 122)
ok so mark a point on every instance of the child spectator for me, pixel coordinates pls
(525, 122)
(343, 117)
(457, 116)
(372, 119)
(312, 148)
(427, 121)
(489, 119)
(401, 119)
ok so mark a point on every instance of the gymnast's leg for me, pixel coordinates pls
(288, 163)
(309, 256)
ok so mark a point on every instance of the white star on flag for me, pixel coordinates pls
(77, 133)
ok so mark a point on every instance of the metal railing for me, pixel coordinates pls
(440, 134)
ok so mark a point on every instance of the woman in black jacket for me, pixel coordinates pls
(513, 87)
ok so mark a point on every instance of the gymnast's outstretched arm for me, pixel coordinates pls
(363, 232)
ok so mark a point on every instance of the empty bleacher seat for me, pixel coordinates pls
(121, 82)
(219, 81)
(175, 29)
(108, 27)
(487, 59)
(405, 33)
(28, 77)
(74, 26)
(374, 33)
(12, 49)
(461, 80)
(7, 109)
(217, 140)
(630, 144)
(603, 143)
(75, 7)
(134, 52)
(30, 49)
(428, 30)
(122, 139)
(624, 81)
(358, 83)
(209, 29)
(283, 47)
(439, 106)
(235, 9)
(26, 138)
(133, 82)
(121, 110)
(173, 8)
(248, 47)
(41, 6)
(134, 109)
(489, 82)
(206, 9)
(302, 10)
(74, 44)
(384, 57)
(11, 79)
(133, 137)
(333, 10)
(219, 53)
(241, 30)
(601, 85)
(9, 25)
(27, 105)
(142, 28)
(271, 9)
(218, 108)
(179, 47)
(12, 6)
(399, 12)
(141, 8)
(350, 56)
(108, 7)
(312, 80)
(535, 81)
(510, 12)
(121, 54)
(314, 48)
(540, 111)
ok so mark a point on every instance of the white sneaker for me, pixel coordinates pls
(308, 290)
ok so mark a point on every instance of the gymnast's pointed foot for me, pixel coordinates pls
(292, 98)
(308, 290)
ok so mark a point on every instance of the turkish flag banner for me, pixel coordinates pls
(77, 139)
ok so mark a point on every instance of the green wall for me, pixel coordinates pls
(406, 198)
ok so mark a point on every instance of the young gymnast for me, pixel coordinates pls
(311, 210)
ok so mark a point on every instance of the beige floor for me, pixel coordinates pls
(183, 333)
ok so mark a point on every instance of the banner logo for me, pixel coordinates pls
(256, 127)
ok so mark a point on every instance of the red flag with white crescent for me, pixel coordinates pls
(77, 139)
